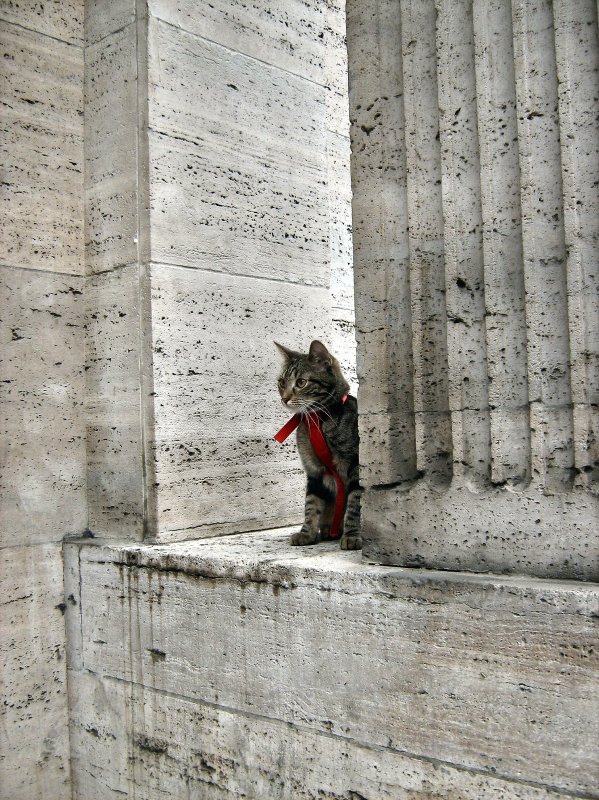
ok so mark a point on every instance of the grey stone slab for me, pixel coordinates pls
(115, 323)
(60, 19)
(238, 180)
(34, 737)
(42, 152)
(42, 488)
(181, 748)
(103, 17)
(216, 402)
(112, 166)
(290, 36)
(494, 674)
(466, 527)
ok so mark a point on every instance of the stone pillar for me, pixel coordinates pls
(213, 131)
(475, 168)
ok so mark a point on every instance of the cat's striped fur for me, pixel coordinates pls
(313, 382)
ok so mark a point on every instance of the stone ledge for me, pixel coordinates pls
(495, 675)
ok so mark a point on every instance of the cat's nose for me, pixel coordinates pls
(286, 398)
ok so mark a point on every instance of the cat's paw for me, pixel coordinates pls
(351, 542)
(303, 537)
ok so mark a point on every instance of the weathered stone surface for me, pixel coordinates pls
(42, 152)
(42, 489)
(217, 405)
(295, 37)
(60, 19)
(492, 674)
(381, 255)
(238, 180)
(577, 58)
(466, 527)
(34, 743)
(103, 17)
(182, 748)
(115, 387)
(112, 161)
(544, 248)
(465, 337)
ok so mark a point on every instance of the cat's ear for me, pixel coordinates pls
(319, 354)
(287, 354)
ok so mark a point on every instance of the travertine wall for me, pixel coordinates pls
(42, 451)
(241, 667)
(476, 197)
(218, 219)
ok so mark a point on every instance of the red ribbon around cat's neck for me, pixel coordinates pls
(321, 449)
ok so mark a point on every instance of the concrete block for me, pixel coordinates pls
(237, 183)
(34, 738)
(183, 748)
(42, 127)
(216, 402)
(42, 490)
(491, 675)
(112, 151)
(58, 19)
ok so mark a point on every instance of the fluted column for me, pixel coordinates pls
(475, 160)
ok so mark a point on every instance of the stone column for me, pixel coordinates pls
(213, 133)
(475, 168)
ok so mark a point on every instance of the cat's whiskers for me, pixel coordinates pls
(323, 410)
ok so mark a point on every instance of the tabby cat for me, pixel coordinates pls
(313, 383)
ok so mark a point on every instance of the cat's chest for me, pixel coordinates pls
(310, 459)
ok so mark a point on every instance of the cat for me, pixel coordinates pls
(313, 383)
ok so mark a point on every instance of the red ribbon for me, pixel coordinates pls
(321, 449)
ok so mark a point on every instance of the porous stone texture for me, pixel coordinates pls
(42, 486)
(218, 219)
(474, 170)
(115, 469)
(42, 216)
(42, 448)
(218, 210)
(240, 666)
(213, 393)
(34, 742)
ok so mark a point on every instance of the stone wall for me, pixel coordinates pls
(476, 241)
(42, 485)
(218, 220)
(176, 195)
(241, 667)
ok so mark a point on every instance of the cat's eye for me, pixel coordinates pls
(300, 383)
(281, 383)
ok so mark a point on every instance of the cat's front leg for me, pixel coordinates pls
(316, 498)
(351, 538)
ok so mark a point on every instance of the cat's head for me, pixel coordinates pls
(310, 380)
